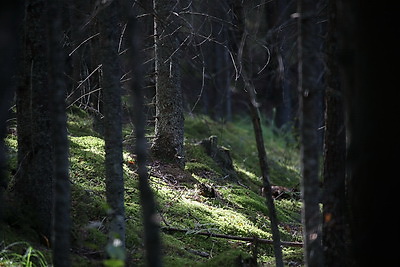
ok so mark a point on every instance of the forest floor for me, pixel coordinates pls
(206, 197)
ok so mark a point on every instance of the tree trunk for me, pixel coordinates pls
(372, 104)
(57, 83)
(33, 184)
(152, 239)
(335, 232)
(109, 37)
(169, 132)
(218, 61)
(242, 53)
(96, 98)
(276, 14)
(78, 10)
(262, 156)
(308, 100)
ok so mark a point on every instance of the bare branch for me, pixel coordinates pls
(88, 39)
(82, 82)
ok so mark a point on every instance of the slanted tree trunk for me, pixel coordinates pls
(242, 52)
(34, 179)
(262, 156)
(308, 100)
(335, 232)
(152, 239)
(109, 37)
(62, 187)
(169, 132)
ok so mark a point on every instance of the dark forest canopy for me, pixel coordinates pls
(110, 109)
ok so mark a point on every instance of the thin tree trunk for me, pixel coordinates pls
(262, 156)
(308, 100)
(109, 37)
(57, 82)
(152, 239)
(169, 131)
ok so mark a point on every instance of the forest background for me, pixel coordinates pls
(316, 71)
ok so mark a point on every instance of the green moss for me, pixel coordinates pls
(293, 255)
(198, 127)
(87, 161)
(238, 137)
(80, 123)
(237, 209)
(246, 199)
(232, 257)
(198, 160)
(177, 251)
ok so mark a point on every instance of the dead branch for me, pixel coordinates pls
(240, 238)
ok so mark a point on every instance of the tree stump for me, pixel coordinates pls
(221, 155)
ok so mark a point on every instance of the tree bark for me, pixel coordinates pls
(34, 179)
(169, 132)
(308, 100)
(335, 232)
(109, 37)
(57, 83)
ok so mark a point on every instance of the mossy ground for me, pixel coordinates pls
(237, 208)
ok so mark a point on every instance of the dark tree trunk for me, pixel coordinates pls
(57, 83)
(34, 179)
(78, 10)
(217, 57)
(94, 85)
(335, 232)
(11, 15)
(94, 88)
(169, 132)
(277, 13)
(372, 104)
(109, 38)
(308, 99)
(152, 239)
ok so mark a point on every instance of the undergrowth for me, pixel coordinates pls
(236, 208)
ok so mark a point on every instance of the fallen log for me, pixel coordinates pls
(240, 238)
